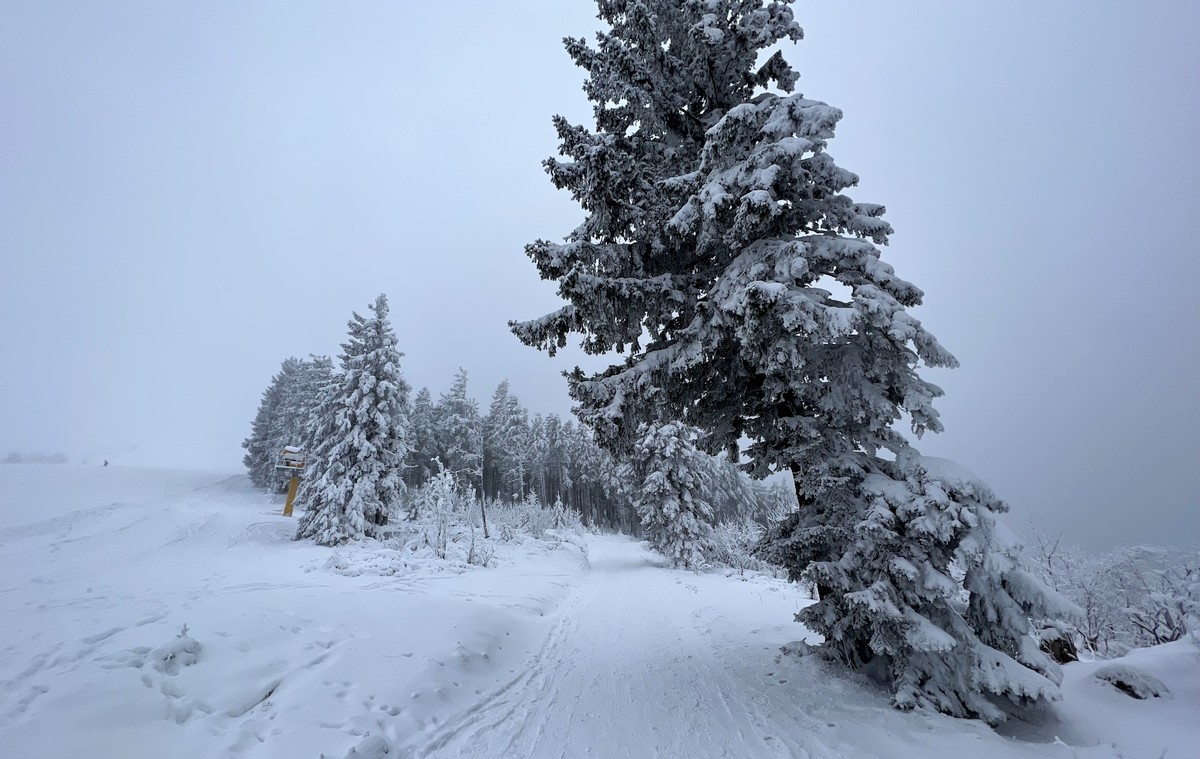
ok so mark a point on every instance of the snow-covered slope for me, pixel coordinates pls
(295, 650)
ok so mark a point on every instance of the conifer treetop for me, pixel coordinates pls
(720, 253)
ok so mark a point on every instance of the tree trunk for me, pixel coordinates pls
(804, 501)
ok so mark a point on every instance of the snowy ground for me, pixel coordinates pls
(593, 649)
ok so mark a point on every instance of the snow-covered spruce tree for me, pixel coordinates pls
(301, 398)
(927, 585)
(360, 431)
(535, 454)
(670, 480)
(261, 447)
(459, 431)
(547, 455)
(746, 290)
(283, 415)
(505, 433)
(419, 465)
(459, 436)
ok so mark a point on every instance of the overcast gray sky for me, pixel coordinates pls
(191, 192)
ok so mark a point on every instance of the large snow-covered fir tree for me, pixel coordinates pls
(722, 256)
(670, 483)
(360, 435)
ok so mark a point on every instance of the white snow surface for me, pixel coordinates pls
(586, 647)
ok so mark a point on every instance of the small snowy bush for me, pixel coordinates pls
(441, 504)
(443, 532)
(513, 521)
(733, 545)
(181, 652)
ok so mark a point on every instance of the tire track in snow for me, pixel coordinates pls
(500, 711)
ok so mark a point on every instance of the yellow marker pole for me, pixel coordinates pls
(287, 507)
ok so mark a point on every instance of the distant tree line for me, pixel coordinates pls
(17, 457)
(360, 413)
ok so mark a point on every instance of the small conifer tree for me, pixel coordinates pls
(671, 500)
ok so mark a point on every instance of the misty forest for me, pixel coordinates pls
(733, 546)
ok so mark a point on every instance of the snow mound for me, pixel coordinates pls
(1132, 681)
(181, 652)
(1094, 713)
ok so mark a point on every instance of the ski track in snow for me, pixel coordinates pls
(628, 668)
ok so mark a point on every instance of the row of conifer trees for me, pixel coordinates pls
(359, 419)
(362, 411)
